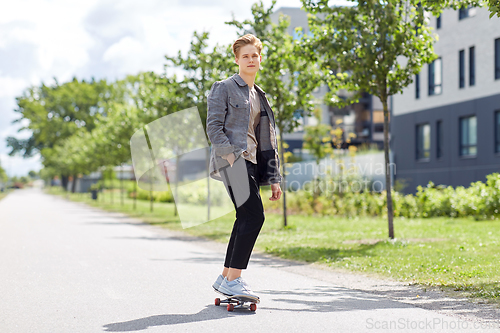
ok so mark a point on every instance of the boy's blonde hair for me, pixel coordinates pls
(246, 40)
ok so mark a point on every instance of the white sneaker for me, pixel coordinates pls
(217, 282)
(236, 287)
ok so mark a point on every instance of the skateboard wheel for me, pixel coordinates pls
(230, 307)
(217, 301)
(253, 307)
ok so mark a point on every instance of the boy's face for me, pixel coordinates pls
(248, 59)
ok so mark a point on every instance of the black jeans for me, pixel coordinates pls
(249, 220)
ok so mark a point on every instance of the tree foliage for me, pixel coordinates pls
(54, 113)
(3, 174)
(286, 75)
(201, 68)
(375, 47)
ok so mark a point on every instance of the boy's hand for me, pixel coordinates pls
(275, 188)
(230, 158)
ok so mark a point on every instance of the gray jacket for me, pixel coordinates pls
(228, 115)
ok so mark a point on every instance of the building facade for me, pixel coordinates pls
(446, 124)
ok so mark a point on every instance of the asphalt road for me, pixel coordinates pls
(67, 267)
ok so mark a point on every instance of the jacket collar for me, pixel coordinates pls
(236, 77)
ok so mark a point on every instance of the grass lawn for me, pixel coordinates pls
(460, 255)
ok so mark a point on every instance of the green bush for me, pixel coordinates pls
(480, 200)
(158, 196)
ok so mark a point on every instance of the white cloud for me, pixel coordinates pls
(43, 39)
(12, 86)
(18, 166)
(51, 34)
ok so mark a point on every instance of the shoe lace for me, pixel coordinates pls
(245, 285)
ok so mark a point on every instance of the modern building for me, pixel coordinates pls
(446, 124)
(365, 119)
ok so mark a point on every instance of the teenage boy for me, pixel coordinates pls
(241, 124)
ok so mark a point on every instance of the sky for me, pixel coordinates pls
(45, 39)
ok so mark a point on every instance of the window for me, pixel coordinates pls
(439, 139)
(438, 22)
(497, 58)
(417, 86)
(468, 136)
(378, 128)
(435, 73)
(423, 141)
(466, 12)
(497, 131)
(461, 69)
(463, 13)
(472, 67)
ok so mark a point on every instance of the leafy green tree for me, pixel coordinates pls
(33, 174)
(287, 76)
(48, 174)
(106, 146)
(54, 113)
(156, 95)
(318, 141)
(3, 175)
(201, 69)
(111, 139)
(359, 49)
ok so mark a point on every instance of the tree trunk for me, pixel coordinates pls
(151, 189)
(135, 194)
(176, 181)
(121, 184)
(387, 166)
(341, 172)
(111, 183)
(103, 182)
(73, 184)
(207, 167)
(64, 182)
(283, 182)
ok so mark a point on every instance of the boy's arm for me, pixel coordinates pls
(216, 114)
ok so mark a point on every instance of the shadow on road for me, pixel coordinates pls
(329, 299)
(315, 299)
(208, 313)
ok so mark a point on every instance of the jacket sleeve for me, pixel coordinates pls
(278, 177)
(216, 114)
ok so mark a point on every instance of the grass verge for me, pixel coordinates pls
(458, 255)
(5, 193)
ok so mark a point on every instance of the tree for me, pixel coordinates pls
(55, 113)
(33, 174)
(359, 48)
(201, 69)
(319, 143)
(287, 77)
(3, 175)
(106, 145)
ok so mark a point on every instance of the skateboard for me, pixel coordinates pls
(237, 301)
